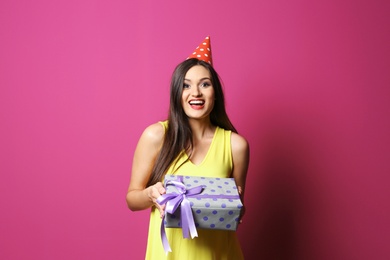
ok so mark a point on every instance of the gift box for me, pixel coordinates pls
(216, 206)
(193, 202)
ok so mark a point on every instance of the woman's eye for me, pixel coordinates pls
(186, 86)
(205, 84)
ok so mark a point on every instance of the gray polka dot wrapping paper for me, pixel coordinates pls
(214, 202)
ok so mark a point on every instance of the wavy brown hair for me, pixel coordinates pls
(178, 136)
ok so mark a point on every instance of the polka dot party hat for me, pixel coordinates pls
(203, 51)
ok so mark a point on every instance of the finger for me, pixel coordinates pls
(158, 190)
(160, 187)
(162, 211)
(161, 190)
(161, 208)
(239, 190)
(242, 214)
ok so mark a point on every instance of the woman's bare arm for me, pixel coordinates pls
(139, 196)
(240, 151)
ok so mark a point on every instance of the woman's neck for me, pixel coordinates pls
(201, 128)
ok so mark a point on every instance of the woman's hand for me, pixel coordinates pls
(240, 192)
(154, 192)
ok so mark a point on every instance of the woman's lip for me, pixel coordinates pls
(197, 107)
(197, 100)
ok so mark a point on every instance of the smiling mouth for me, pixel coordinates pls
(196, 102)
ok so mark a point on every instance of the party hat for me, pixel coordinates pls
(203, 51)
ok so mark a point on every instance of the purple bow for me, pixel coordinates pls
(173, 200)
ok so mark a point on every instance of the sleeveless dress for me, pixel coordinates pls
(210, 244)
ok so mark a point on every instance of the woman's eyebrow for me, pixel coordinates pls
(199, 80)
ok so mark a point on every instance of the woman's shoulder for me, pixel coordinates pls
(239, 143)
(154, 133)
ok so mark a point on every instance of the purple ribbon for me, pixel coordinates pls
(175, 199)
(172, 201)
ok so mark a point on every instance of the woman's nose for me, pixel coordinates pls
(196, 92)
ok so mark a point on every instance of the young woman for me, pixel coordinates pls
(198, 139)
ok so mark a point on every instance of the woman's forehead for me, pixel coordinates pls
(196, 73)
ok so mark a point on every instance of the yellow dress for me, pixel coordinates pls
(210, 244)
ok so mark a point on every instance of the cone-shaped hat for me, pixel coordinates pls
(203, 51)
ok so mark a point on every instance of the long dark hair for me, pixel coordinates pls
(178, 137)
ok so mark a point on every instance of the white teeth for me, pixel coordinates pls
(196, 102)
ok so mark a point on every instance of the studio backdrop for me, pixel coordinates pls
(306, 82)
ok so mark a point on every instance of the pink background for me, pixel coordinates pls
(306, 82)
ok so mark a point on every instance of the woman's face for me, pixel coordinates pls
(198, 93)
